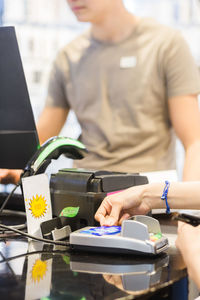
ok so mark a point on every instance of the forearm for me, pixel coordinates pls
(141, 199)
(191, 169)
(51, 122)
(181, 195)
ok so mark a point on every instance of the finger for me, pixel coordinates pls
(113, 218)
(125, 216)
(180, 224)
(103, 210)
(109, 221)
(102, 220)
(183, 226)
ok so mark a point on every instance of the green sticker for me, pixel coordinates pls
(158, 235)
(66, 259)
(69, 212)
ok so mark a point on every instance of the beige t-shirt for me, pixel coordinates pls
(120, 91)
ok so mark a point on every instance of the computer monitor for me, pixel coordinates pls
(18, 135)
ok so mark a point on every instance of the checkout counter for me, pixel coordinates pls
(34, 270)
(39, 271)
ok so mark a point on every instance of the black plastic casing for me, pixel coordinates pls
(86, 189)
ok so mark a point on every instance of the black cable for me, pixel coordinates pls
(9, 267)
(9, 212)
(13, 213)
(61, 243)
(19, 227)
(9, 233)
(8, 197)
(30, 253)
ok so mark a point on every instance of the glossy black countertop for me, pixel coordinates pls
(37, 271)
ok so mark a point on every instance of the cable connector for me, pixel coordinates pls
(61, 233)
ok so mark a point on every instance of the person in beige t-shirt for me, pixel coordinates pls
(133, 85)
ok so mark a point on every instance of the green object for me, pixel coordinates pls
(54, 145)
(66, 259)
(158, 235)
(70, 212)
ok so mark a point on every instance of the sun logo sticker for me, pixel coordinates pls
(39, 270)
(38, 206)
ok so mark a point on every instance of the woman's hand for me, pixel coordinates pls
(188, 242)
(120, 206)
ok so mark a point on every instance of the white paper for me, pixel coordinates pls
(37, 202)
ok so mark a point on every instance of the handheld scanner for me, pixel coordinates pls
(52, 149)
(193, 220)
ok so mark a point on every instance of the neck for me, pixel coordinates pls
(114, 26)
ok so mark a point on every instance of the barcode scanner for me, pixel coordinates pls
(52, 149)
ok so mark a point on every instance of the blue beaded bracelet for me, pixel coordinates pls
(164, 196)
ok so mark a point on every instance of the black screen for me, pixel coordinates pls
(18, 135)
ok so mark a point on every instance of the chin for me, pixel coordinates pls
(82, 19)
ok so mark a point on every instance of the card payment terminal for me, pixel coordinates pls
(137, 235)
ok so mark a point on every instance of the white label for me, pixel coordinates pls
(37, 202)
(128, 62)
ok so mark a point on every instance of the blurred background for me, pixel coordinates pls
(44, 26)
